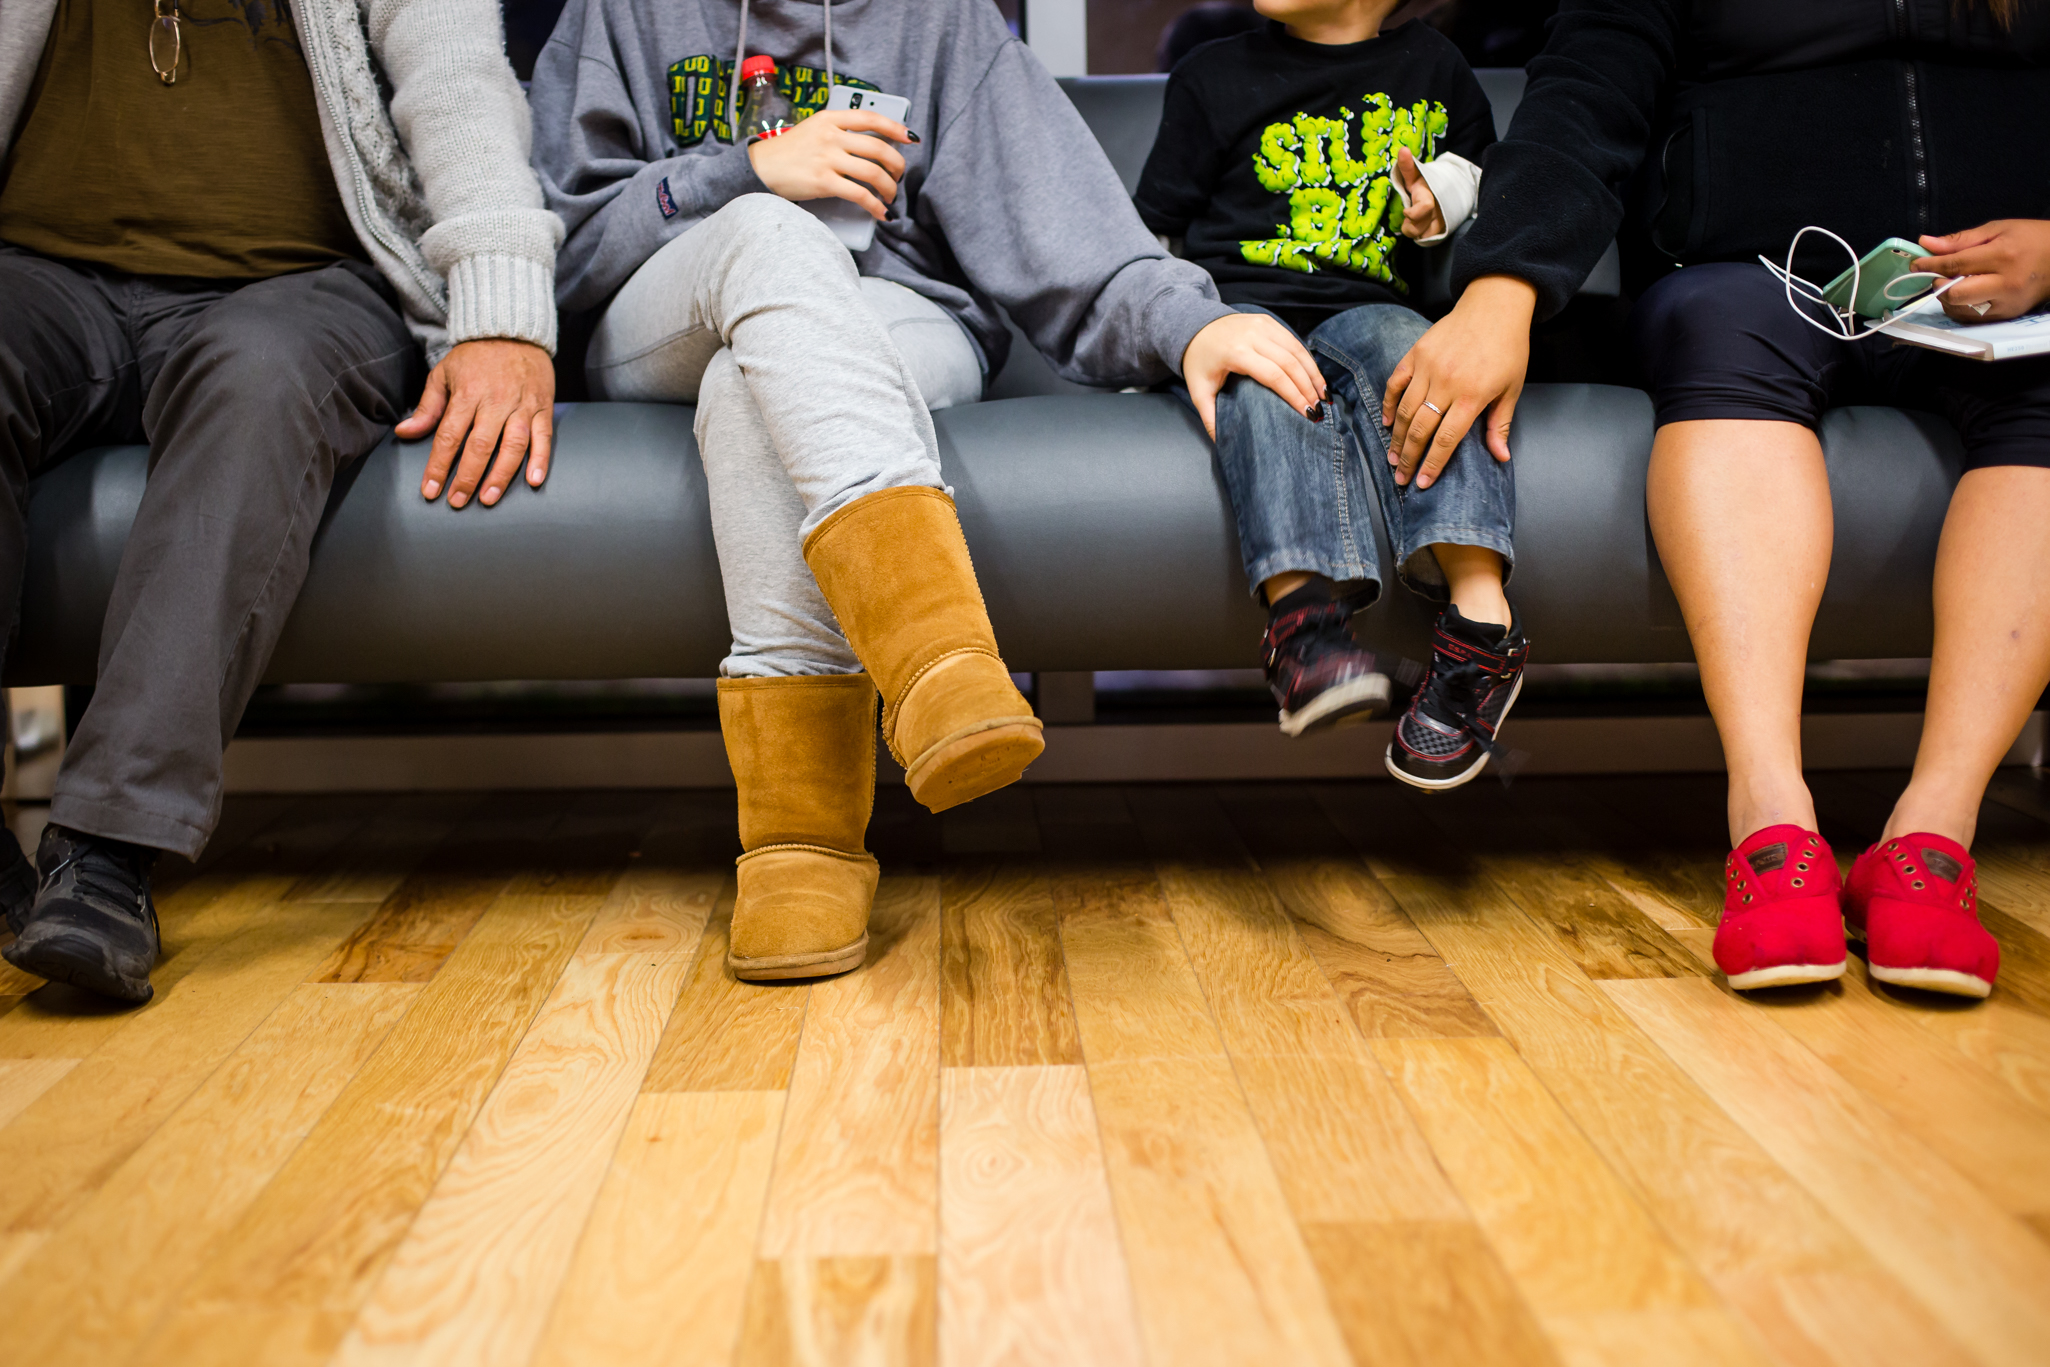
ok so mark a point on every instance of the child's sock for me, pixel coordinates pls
(1486, 635)
(1317, 590)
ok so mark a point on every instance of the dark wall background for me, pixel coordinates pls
(529, 22)
(1124, 35)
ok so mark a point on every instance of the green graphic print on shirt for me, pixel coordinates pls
(1342, 209)
(699, 86)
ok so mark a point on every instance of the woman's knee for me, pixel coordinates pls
(1719, 341)
(771, 228)
(1708, 305)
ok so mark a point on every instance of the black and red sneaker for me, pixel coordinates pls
(1318, 673)
(1448, 734)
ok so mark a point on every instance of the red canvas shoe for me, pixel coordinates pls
(1782, 919)
(1914, 901)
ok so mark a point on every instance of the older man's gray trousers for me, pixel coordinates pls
(252, 396)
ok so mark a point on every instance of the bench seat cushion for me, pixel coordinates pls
(1098, 523)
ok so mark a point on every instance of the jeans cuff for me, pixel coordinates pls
(1367, 580)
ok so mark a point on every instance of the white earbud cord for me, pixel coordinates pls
(1846, 318)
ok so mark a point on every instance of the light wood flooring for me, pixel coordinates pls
(1177, 1075)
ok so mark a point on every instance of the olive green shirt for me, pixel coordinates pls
(222, 174)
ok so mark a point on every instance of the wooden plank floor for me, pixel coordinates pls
(1289, 1074)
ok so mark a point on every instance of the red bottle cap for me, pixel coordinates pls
(757, 66)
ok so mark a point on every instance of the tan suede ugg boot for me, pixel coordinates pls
(803, 751)
(894, 567)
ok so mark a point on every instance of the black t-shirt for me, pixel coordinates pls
(1274, 160)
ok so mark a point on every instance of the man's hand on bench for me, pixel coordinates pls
(485, 394)
(1471, 362)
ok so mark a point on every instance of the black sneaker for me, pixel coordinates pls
(93, 924)
(17, 882)
(1448, 734)
(1318, 673)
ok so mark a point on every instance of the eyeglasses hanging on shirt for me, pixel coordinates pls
(165, 37)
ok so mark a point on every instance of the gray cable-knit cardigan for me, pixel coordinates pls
(436, 184)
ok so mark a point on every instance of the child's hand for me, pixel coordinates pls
(1422, 218)
(1258, 346)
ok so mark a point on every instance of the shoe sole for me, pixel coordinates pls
(1349, 702)
(1439, 785)
(1787, 975)
(776, 967)
(974, 765)
(55, 961)
(1946, 980)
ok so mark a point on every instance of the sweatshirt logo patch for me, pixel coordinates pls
(1343, 211)
(698, 88)
(665, 201)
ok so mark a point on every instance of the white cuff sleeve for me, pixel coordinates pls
(1456, 184)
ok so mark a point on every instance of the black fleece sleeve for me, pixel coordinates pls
(1183, 169)
(1470, 130)
(1551, 194)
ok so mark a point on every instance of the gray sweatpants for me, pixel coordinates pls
(252, 397)
(812, 385)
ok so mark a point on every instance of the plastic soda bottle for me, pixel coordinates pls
(764, 112)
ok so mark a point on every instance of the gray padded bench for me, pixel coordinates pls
(609, 571)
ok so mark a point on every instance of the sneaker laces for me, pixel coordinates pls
(1453, 698)
(101, 870)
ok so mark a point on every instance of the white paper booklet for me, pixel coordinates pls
(2028, 335)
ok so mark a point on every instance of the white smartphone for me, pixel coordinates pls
(850, 222)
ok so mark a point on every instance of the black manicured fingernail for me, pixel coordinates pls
(912, 136)
(1315, 412)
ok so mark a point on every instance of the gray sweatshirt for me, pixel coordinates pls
(1007, 200)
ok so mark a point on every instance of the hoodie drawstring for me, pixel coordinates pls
(733, 87)
(740, 55)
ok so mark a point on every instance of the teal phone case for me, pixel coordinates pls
(1882, 266)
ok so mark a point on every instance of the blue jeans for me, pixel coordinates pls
(1299, 488)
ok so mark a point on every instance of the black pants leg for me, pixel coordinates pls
(68, 379)
(253, 406)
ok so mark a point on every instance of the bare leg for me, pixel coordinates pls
(1474, 576)
(1741, 514)
(1992, 656)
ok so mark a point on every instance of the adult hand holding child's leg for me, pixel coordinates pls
(1260, 347)
(1472, 361)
